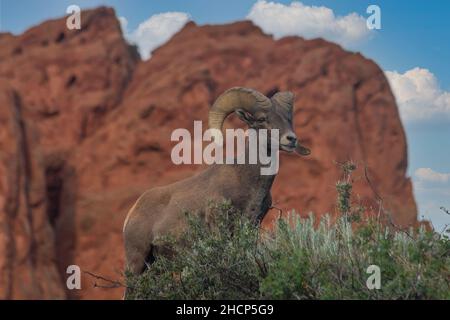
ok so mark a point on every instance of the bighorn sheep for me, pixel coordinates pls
(160, 211)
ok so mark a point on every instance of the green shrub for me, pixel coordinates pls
(229, 258)
(330, 262)
(214, 260)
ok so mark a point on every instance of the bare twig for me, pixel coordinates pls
(444, 229)
(366, 175)
(113, 283)
(445, 210)
(399, 228)
(280, 211)
(380, 204)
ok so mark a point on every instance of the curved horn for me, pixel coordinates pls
(232, 99)
(284, 99)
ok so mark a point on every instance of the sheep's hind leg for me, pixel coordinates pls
(138, 256)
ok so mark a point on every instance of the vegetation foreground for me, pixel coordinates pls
(229, 258)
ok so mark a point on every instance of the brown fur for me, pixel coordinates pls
(161, 211)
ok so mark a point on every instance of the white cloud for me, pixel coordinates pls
(308, 21)
(155, 31)
(123, 24)
(419, 96)
(428, 174)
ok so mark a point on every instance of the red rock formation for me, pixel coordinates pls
(27, 245)
(86, 129)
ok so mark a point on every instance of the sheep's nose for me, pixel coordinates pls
(292, 138)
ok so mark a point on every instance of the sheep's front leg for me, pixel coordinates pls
(265, 206)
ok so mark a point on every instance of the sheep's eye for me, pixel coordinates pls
(261, 119)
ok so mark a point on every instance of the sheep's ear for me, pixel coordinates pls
(245, 116)
(301, 150)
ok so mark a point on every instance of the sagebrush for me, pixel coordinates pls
(230, 258)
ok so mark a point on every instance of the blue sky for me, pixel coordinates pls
(415, 37)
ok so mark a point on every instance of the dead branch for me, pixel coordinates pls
(366, 175)
(280, 211)
(113, 283)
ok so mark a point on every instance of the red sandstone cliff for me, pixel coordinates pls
(85, 128)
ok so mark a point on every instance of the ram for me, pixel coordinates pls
(160, 211)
